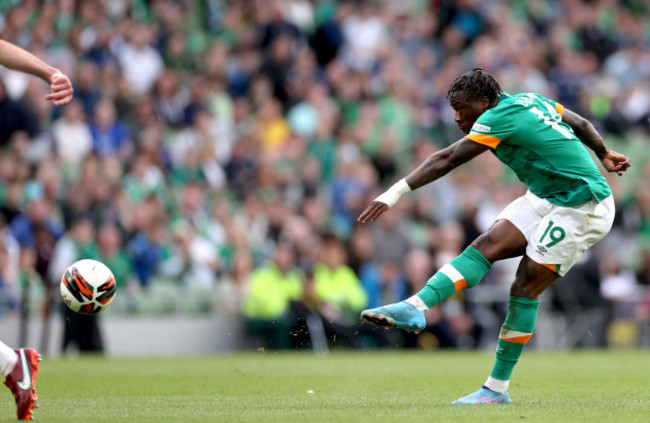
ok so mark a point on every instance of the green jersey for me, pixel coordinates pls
(526, 132)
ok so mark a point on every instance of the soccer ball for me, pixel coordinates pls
(88, 286)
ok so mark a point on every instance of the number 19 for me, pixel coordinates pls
(555, 233)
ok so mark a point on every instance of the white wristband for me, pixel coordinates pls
(393, 193)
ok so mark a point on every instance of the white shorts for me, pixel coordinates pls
(557, 236)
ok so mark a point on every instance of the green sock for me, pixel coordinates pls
(515, 333)
(464, 271)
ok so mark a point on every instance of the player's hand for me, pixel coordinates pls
(373, 211)
(615, 162)
(60, 90)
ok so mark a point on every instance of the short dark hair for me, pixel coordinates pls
(473, 86)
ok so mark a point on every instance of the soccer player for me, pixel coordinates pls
(568, 208)
(20, 366)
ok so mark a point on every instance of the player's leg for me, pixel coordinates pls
(502, 240)
(531, 280)
(8, 358)
(20, 368)
(554, 247)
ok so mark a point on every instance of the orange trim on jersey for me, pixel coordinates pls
(559, 108)
(459, 285)
(484, 139)
(518, 339)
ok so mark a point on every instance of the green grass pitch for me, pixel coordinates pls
(604, 386)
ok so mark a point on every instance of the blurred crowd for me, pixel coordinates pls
(218, 153)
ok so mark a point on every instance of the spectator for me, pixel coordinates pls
(81, 332)
(77, 244)
(194, 260)
(109, 252)
(13, 193)
(39, 214)
(146, 250)
(577, 297)
(618, 284)
(141, 63)
(170, 98)
(88, 88)
(232, 290)
(336, 285)
(267, 303)
(9, 290)
(72, 136)
(15, 116)
(365, 34)
(110, 136)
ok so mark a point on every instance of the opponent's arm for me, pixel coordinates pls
(435, 166)
(15, 58)
(585, 131)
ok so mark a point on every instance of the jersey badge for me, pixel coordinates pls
(479, 127)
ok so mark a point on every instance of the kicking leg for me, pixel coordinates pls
(502, 240)
(531, 280)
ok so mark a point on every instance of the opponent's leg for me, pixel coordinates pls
(502, 240)
(20, 368)
(8, 358)
(531, 280)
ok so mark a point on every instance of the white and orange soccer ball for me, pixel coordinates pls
(88, 286)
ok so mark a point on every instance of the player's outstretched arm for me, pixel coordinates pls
(585, 131)
(15, 58)
(435, 166)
